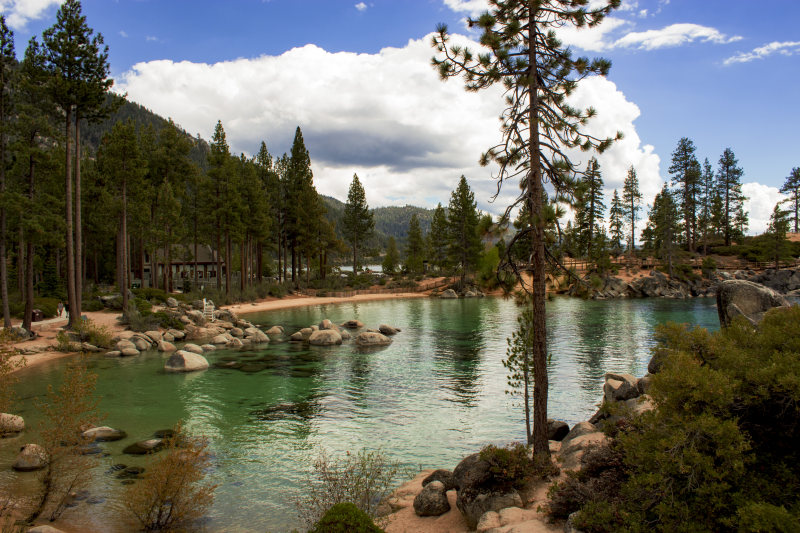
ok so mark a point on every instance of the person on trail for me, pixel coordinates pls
(60, 308)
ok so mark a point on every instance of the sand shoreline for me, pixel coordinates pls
(48, 330)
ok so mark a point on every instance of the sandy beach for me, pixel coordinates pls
(48, 329)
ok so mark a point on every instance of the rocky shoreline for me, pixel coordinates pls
(658, 285)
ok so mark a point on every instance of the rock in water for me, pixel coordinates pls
(31, 457)
(104, 434)
(193, 348)
(372, 338)
(144, 446)
(325, 337)
(183, 361)
(11, 425)
(353, 324)
(388, 330)
(745, 298)
(449, 294)
(432, 500)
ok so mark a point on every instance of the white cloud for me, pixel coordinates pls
(761, 200)
(785, 48)
(361, 6)
(151, 39)
(386, 116)
(123, 33)
(594, 39)
(19, 12)
(473, 7)
(673, 35)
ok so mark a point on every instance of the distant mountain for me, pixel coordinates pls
(390, 221)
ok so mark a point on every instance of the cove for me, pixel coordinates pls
(434, 395)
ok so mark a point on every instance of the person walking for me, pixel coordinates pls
(60, 308)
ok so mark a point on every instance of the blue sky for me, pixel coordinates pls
(355, 77)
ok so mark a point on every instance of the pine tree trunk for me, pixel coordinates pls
(27, 319)
(118, 276)
(294, 261)
(227, 262)
(78, 224)
(124, 263)
(72, 301)
(20, 261)
(168, 263)
(242, 267)
(219, 259)
(540, 388)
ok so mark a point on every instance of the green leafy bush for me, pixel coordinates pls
(345, 518)
(48, 307)
(90, 332)
(151, 294)
(167, 320)
(92, 305)
(719, 453)
(513, 466)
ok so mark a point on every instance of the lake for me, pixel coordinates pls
(434, 395)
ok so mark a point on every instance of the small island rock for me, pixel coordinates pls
(183, 361)
(372, 338)
(325, 337)
(31, 457)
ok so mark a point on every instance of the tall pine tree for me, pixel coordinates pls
(632, 199)
(438, 237)
(685, 171)
(415, 246)
(615, 223)
(729, 184)
(7, 67)
(462, 223)
(357, 221)
(792, 187)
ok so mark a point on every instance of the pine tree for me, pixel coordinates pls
(663, 226)
(438, 237)
(7, 66)
(219, 177)
(632, 199)
(589, 206)
(615, 224)
(120, 161)
(792, 187)
(685, 171)
(729, 183)
(301, 205)
(78, 64)
(462, 222)
(392, 257)
(777, 229)
(708, 191)
(415, 246)
(357, 221)
(525, 56)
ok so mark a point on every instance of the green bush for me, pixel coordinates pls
(90, 332)
(345, 518)
(719, 453)
(513, 466)
(48, 307)
(92, 305)
(167, 320)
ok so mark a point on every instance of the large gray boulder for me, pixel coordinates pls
(144, 447)
(557, 429)
(372, 338)
(275, 331)
(449, 294)
(432, 500)
(325, 337)
(167, 347)
(154, 335)
(192, 348)
(183, 361)
(11, 425)
(31, 457)
(388, 330)
(473, 503)
(353, 324)
(619, 387)
(744, 298)
(444, 476)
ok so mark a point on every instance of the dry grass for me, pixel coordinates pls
(173, 495)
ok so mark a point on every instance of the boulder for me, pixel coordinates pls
(172, 302)
(276, 331)
(208, 347)
(306, 332)
(370, 338)
(164, 346)
(193, 348)
(123, 344)
(237, 332)
(489, 520)
(197, 317)
(573, 450)
(747, 299)
(220, 339)
(296, 337)
(643, 384)
(432, 500)
(619, 387)
(388, 330)
(144, 446)
(556, 429)
(235, 343)
(578, 430)
(449, 294)
(569, 526)
(86, 347)
(11, 425)
(473, 503)
(104, 434)
(353, 324)
(444, 476)
(44, 529)
(326, 324)
(256, 335)
(167, 336)
(640, 405)
(183, 361)
(113, 353)
(345, 335)
(471, 472)
(142, 344)
(470, 294)
(177, 334)
(154, 336)
(325, 337)
(31, 457)
(129, 352)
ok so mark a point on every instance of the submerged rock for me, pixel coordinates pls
(11, 425)
(388, 330)
(144, 446)
(353, 324)
(325, 337)
(31, 457)
(372, 338)
(104, 434)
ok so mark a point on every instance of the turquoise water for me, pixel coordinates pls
(436, 394)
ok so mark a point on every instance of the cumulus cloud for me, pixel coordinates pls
(19, 12)
(674, 35)
(361, 6)
(785, 48)
(761, 200)
(386, 116)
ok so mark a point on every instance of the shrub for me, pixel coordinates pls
(167, 321)
(66, 413)
(138, 321)
(345, 518)
(364, 479)
(90, 332)
(64, 343)
(92, 305)
(513, 466)
(173, 495)
(151, 294)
